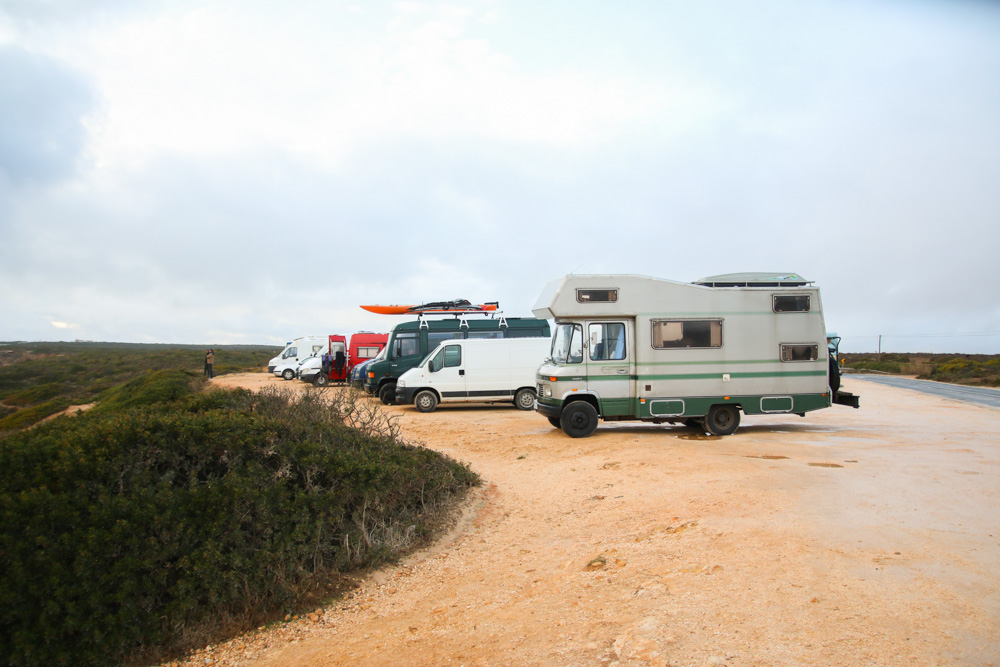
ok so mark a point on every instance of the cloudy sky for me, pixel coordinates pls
(239, 171)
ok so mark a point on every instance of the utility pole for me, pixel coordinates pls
(880, 347)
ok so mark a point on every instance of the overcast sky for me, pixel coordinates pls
(232, 171)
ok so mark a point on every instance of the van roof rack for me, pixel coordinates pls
(754, 280)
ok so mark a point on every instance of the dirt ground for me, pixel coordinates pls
(848, 537)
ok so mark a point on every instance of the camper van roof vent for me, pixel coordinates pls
(754, 280)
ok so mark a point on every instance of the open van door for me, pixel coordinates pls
(610, 361)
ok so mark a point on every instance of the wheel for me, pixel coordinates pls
(288, 374)
(722, 419)
(834, 375)
(524, 399)
(387, 393)
(579, 419)
(321, 380)
(425, 400)
(555, 421)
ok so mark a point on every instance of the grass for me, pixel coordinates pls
(38, 380)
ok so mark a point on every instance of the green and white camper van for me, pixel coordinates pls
(629, 347)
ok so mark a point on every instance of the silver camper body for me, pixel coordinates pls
(627, 347)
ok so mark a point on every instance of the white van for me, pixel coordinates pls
(475, 370)
(284, 364)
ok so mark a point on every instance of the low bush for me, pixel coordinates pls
(123, 530)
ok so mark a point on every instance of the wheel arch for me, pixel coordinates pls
(581, 396)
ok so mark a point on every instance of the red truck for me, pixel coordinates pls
(341, 355)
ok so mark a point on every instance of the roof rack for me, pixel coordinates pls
(754, 280)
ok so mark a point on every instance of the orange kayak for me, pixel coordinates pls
(436, 307)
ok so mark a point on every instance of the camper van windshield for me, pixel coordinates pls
(567, 344)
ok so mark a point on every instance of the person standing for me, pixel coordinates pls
(209, 361)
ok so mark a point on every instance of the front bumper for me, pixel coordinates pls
(548, 410)
(404, 395)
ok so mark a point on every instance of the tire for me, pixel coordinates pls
(321, 380)
(387, 393)
(722, 419)
(425, 400)
(579, 419)
(288, 374)
(834, 375)
(555, 421)
(524, 399)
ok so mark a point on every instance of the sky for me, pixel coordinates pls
(246, 172)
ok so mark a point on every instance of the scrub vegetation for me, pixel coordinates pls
(969, 369)
(38, 380)
(167, 517)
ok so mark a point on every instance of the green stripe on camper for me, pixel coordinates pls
(715, 375)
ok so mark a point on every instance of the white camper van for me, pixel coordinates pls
(475, 370)
(284, 364)
(629, 347)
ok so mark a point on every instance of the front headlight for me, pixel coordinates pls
(400, 383)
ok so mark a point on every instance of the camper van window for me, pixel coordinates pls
(567, 344)
(795, 303)
(597, 295)
(367, 352)
(435, 338)
(799, 352)
(290, 352)
(670, 334)
(486, 334)
(405, 345)
(607, 341)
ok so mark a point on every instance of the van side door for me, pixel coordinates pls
(610, 360)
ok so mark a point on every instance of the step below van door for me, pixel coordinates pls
(610, 358)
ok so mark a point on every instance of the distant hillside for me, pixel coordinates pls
(41, 379)
(981, 370)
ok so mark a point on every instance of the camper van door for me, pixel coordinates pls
(609, 357)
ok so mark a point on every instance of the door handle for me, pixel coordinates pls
(461, 371)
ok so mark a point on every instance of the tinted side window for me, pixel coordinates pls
(405, 345)
(452, 356)
(791, 303)
(799, 352)
(597, 295)
(669, 334)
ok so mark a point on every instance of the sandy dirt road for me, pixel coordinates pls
(848, 537)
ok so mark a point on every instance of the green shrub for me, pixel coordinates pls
(122, 529)
(883, 366)
(150, 388)
(36, 413)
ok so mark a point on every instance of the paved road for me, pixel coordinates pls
(980, 395)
